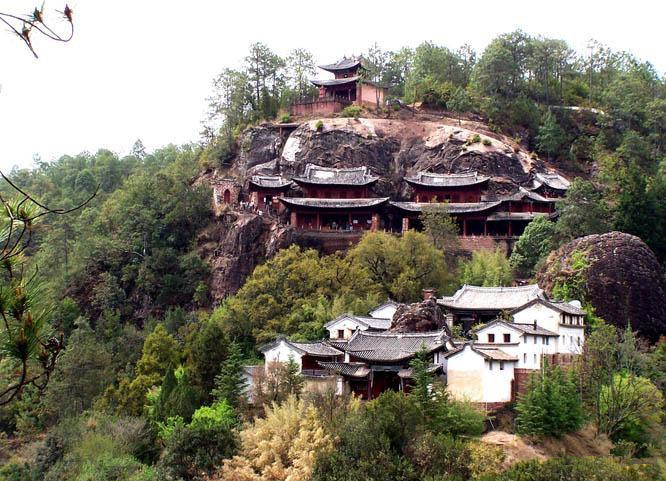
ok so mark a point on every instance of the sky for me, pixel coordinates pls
(142, 69)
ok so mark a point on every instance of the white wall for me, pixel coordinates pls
(347, 324)
(544, 316)
(385, 312)
(468, 376)
(528, 353)
(571, 340)
(281, 353)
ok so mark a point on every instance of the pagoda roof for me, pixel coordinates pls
(431, 179)
(491, 298)
(344, 64)
(499, 216)
(347, 204)
(392, 347)
(334, 81)
(451, 208)
(552, 180)
(270, 181)
(350, 369)
(523, 193)
(317, 174)
(374, 323)
(315, 348)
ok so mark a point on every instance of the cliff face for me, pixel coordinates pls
(623, 280)
(390, 148)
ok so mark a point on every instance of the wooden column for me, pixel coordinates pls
(351, 226)
(405, 224)
(485, 227)
(374, 226)
(510, 229)
(318, 222)
(464, 227)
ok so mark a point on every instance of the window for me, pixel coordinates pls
(571, 340)
(525, 339)
(564, 339)
(547, 341)
(490, 365)
(579, 340)
(507, 337)
(525, 358)
(501, 365)
(341, 333)
(543, 340)
(535, 361)
(491, 338)
(535, 339)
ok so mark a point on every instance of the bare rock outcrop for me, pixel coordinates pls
(623, 280)
(418, 317)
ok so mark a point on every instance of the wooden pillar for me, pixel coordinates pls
(293, 220)
(374, 226)
(318, 222)
(464, 227)
(510, 229)
(350, 222)
(405, 224)
(485, 227)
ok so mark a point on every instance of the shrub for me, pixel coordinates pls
(285, 119)
(352, 111)
(474, 139)
(487, 142)
(319, 126)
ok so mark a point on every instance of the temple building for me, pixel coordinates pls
(345, 88)
(453, 188)
(550, 185)
(266, 189)
(335, 199)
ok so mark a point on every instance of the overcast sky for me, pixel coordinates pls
(143, 68)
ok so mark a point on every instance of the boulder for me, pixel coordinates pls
(623, 280)
(419, 317)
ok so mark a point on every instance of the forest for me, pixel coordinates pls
(136, 374)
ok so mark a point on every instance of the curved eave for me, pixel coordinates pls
(332, 204)
(417, 207)
(418, 183)
(309, 182)
(270, 187)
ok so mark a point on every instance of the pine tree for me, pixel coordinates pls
(551, 406)
(551, 135)
(294, 380)
(422, 379)
(230, 383)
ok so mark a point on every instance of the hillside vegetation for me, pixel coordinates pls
(149, 382)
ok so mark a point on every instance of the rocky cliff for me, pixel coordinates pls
(390, 148)
(623, 280)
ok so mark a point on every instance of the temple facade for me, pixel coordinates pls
(345, 88)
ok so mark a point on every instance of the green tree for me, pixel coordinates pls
(206, 349)
(487, 268)
(402, 266)
(460, 102)
(533, 245)
(551, 406)
(230, 383)
(551, 136)
(582, 211)
(440, 227)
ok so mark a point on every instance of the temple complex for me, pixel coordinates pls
(345, 88)
(266, 189)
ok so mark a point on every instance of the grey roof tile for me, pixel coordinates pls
(491, 298)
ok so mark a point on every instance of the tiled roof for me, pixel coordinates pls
(552, 180)
(409, 372)
(495, 354)
(522, 193)
(316, 174)
(315, 348)
(451, 208)
(498, 216)
(393, 346)
(332, 203)
(270, 181)
(430, 179)
(491, 298)
(560, 306)
(334, 81)
(379, 324)
(388, 303)
(351, 369)
(344, 64)
(524, 328)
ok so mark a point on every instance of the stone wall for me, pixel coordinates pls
(226, 192)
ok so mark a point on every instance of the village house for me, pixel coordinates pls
(363, 357)
(348, 86)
